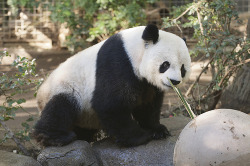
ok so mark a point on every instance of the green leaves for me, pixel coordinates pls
(217, 42)
(90, 21)
(20, 101)
(94, 21)
(14, 83)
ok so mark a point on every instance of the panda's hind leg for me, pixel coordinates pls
(55, 126)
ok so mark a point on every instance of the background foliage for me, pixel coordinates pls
(91, 21)
(217, 43)
(12, 84)
(97, 20)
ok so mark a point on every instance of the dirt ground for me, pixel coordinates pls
(49, 60)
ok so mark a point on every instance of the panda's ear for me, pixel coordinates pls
(185, 40)
(151, 33)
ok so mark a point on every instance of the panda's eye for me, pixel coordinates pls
(183, 71)
(164, 66)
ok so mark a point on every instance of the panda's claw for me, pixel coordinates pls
(50, 139)
(160, 132)
(135, 140)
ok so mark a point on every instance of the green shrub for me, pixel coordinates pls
(21, 80)
(92, 21)
(217, 43)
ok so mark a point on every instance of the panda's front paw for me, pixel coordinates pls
(55, 138)
(160, 132)
(134, 139)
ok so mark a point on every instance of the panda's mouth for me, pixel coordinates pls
(166, 85)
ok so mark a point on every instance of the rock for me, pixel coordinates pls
(217, 137)
(12, 159)
(156, 153)
(175, 124)
(77, 153)
(107, 153)
(243, 160)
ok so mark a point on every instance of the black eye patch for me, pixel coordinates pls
(183, 71)
(164, 66)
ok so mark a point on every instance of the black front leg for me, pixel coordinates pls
(148, 116)
(119, 124)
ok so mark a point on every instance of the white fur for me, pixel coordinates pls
(134, 46)
(76, 76)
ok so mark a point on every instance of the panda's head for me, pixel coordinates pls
(165, 56)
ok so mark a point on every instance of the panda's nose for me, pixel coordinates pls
(174, 82)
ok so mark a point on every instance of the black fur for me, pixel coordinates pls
(85, 134)
(128, 108)
(164, 67)
(151, 33)
(183, 71)
(174, 82)
(54, 128)
(185, 40)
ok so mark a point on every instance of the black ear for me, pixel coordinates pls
(185, 40)
(151, 33)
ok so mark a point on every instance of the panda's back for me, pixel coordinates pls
(75, 76)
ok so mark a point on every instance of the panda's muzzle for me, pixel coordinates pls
(166, 85)
(174, 82)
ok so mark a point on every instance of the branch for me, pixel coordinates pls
(183, 13)
(179, 27)
(177, 18)
(205, 68)
(199, 19)
(1, 92)
(231, 69)
(16, 140)
(201, 27)
(198, 78)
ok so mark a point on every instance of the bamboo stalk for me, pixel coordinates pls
(184, 102)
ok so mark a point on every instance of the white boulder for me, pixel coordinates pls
(213, 138)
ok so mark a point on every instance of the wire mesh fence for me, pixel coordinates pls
(29, 24)
(243, 6)
(162, 9)
(33, 24)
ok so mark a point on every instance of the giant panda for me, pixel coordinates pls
(116, 85)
